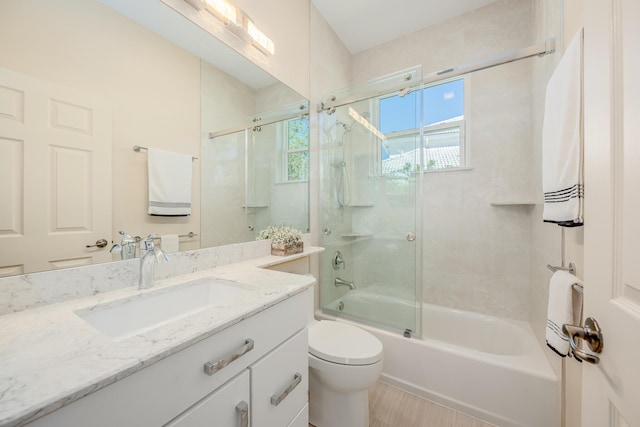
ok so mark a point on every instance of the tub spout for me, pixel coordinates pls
(341, 282)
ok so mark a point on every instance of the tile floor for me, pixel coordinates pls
(392, 407)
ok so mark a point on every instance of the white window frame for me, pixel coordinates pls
(461, 124)
(284, 159)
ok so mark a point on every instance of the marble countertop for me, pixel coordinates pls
(50, 357)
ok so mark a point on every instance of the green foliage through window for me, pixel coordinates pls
(297, 156)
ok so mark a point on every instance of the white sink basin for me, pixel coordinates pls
(151, 310)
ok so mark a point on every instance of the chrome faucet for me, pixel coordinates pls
(342, 282)
(126, 248)
(148, 261)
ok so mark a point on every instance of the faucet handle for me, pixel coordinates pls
(126, 238)
(148, 244)
(160, 255)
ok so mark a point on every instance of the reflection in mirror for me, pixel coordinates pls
(278, 172)
(106, 82)
(270, 160)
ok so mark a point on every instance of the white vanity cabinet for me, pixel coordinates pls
(228, 406)
(280, 384)
(259, 355)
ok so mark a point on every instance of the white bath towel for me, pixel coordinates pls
(562, 147)
(169, 243)
(170, 176)
(565, 306)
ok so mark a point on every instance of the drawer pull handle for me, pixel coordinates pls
(211, 368)
(243, 411)
(276, 400)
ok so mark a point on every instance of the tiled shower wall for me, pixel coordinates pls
(475, 256)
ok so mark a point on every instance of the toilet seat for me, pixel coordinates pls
(342, 343)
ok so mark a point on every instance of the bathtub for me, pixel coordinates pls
(484, 366)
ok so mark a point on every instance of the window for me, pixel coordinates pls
(296, 154)
(443, 129)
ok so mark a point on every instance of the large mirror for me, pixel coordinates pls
(82, 84)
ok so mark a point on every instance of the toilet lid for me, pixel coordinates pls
(342, 343)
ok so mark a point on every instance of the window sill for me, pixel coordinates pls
(291, 182)
(468, 168)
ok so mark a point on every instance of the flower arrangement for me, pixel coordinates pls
(284, 240)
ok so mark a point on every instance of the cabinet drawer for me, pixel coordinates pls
(155, 395)
(302, 419)
(279, 383)
(221, 408)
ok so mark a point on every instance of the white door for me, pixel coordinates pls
(611, 389)
(55, 175)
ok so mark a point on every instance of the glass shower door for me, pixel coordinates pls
(278, 171)
(223, 173)
(371, 163)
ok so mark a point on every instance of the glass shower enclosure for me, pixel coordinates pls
(256, 175)
(370, 173)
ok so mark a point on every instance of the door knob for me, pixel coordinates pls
(591, 333)
(101, 243)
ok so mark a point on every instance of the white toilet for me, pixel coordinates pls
(344, 361)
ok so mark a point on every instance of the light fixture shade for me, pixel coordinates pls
(197, 4)
(260, 39)
(222, 10)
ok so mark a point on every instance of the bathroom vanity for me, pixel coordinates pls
(240, 361)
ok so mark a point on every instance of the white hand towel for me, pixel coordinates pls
(562, 148)
(169, 243)
(170, 176)
(565, 306)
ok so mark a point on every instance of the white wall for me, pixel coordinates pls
(154, 88)
(475, 256)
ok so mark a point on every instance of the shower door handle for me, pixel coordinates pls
(591, 333)
(411, 237)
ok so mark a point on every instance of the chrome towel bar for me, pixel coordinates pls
(571, 269)
(138, 148)
(189, 235)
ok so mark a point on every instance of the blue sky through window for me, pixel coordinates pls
(399, 113)
(441, 102)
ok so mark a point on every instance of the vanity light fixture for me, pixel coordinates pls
(260, 39)
(223, 10)
(236, 21)
(197, 4)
